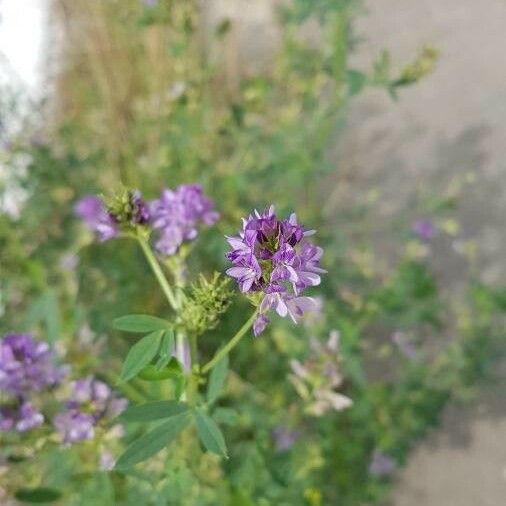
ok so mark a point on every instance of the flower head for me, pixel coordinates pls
(284, 437)
(93, 212)
(424, 229)
(19, 416)
(318, 377)
(272, 257)
(90, 402)
(177, 214)
(26, 367)
(381, 464)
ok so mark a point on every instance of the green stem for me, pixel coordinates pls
(231, 344)
(193, 350)
(157, 270)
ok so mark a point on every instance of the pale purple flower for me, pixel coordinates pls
(93, 212)
(150, 3)
(27, 365)
(91, 401)
(406, 347)
(259, 324)
(423, 229)
(284, 437)
(74, 426)
(381, 464)
(7, 416)
(20, 415)
(28, 418)
(273, 257)
(177, 215)
(107, 461)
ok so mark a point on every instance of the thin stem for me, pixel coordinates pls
(193, 350)
(157, 270)
(231, 344)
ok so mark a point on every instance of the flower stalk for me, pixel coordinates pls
(157, 271)
(231, 344)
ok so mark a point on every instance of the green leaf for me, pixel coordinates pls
(37, 495)
(153, 441)
(217, 379)
(141, 354)
(166, 349)
(151, 373)
(153, 411)
(226, 416)
(141, 323)
(356, 81)
(210, 434)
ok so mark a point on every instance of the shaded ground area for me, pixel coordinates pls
(464, 461)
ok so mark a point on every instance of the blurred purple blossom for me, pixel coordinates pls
(424, 229)
(28, 417)
(272, 257)
(381, 464)
(284, 437)
(27, 365)
(91, 401)
(177, 214)
(107, 461)
(93, 212)
(21, 417)
(406, 347)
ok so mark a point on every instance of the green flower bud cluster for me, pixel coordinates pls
(127, 207)
(206, 302)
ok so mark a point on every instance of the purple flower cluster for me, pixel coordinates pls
(284, 437)
(381, 464)
(175, 216)
(272, 257)
(93, 212)
(318, 377)
(404, 345)
(26, 367)
(424, 229)
(90, 402)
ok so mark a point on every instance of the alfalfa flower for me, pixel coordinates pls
(272, 257)
(177, 215)
(91, 402)
(92, 211)
(318, 378)
(381, 464)
(124, 211)
(27, 367)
